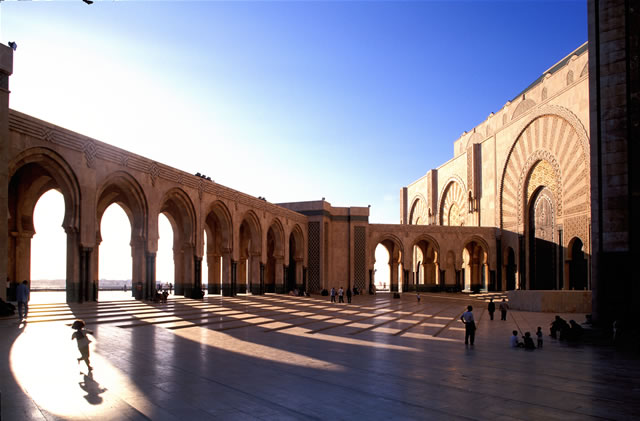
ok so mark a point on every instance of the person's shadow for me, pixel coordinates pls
(93, 389)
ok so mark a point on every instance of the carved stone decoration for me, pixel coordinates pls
(124, 160)
(90, 151)
(48, 135)
(154, 171)
(200, 188)
(541, 168)
(556, 135)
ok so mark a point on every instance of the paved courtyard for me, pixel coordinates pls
(277, 357)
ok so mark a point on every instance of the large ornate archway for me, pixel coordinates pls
(544, 192)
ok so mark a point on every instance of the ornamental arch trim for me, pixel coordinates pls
(445, 200)
(123, 189)
(63, 174)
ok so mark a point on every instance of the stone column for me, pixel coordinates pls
(197, 274)
(226, 286)
(178, 270)
(254, 273)
(393, 278)
(86, 290)
(139, 263)
(299, 268)
(262, 291)
(279, 275)
(240, 285)
(234, 277)
(150, 272)
(6, 68)
(23, 256)
(73, 265)
(214, 265)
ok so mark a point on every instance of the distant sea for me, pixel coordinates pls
(59, 284)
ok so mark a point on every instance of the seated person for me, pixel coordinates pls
(575, 332)
(514, 340)
(559, 326)
(528, 341)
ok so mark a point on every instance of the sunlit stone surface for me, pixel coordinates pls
(277, 357)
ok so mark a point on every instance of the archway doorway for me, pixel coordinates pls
(388, 266)
(165, 268)
(425, 266)
(217, 249)
(542, 249)
(115, 266)
(248, 268)
(48, 246)
(475, 268)
(32, 174)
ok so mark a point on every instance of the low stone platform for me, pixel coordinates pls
(277, 357)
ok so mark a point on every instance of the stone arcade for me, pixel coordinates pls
(529, 184)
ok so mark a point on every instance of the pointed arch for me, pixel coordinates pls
(453, 205)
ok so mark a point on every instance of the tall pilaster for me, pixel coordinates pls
(6, 68)
(614, 97)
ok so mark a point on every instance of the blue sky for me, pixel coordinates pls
(287, 100)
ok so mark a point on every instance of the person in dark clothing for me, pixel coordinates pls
(559, 326)
(469, 326)
(528, 341)
(575, 332)
(348, 296)
(492, 308)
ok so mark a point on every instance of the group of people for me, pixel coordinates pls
(341, 293)
(504, 307)
(527, 340)
(562, 330)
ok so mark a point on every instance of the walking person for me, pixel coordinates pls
(333, 295)
(341, 295)
(418, 297)
(503, 309)
(80, 335)
(492, 308)
(22, 297)
(348, 296)
(469, 326)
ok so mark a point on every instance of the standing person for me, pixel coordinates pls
(491, 308)
(80, 335)
(469, 326)
(341, 295)
(333, 295)
(348, 296)
(170, 288)
(539, 335)
(22, 297)
(503, 309)
(418, 297)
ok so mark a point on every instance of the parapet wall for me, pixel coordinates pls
(551, 301)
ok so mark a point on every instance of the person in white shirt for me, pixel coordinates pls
(514, 340)
(469, 326)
